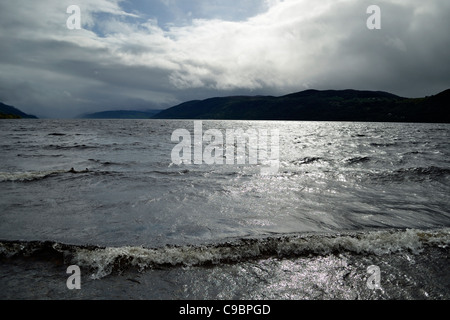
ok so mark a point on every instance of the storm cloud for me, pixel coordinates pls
(155, 54)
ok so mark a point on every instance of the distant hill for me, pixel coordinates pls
(10, 112)
(325, 105)
(121, 114)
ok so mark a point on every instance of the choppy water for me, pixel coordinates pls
(346, 196)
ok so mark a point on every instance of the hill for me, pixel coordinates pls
(121, 114)
(10, 112)
(316, 105)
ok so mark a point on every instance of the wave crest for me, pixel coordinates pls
(28, 176)
(102, 261)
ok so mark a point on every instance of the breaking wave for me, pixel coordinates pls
(40, 175)
(28, 176)
(306, 160)
(424, 171)
(102, 261)
(357, 160)
(413, 174)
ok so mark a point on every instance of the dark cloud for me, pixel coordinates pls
(124, 58)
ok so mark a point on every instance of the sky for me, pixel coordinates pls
(154, 54)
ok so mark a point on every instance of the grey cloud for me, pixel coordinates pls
(408, 56)
(48, 70)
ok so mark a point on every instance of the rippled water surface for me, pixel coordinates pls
(335, 179)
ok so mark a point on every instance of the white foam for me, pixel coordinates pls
(26, 176)
(104, 260)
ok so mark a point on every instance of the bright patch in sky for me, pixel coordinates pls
(137, 54)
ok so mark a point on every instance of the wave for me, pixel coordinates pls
(415, 174)
(102, 261)
(306, 160)
(170, 173)
(77, 146)
(357, 160)
(377, 144)
(424, 171)
(28, 176)
(40, 155)
(418, 174)
(56, 134)
(108, 163)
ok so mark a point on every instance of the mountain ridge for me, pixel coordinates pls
(120, 114)
(307, 105)
(10, 112)
(317, 105)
